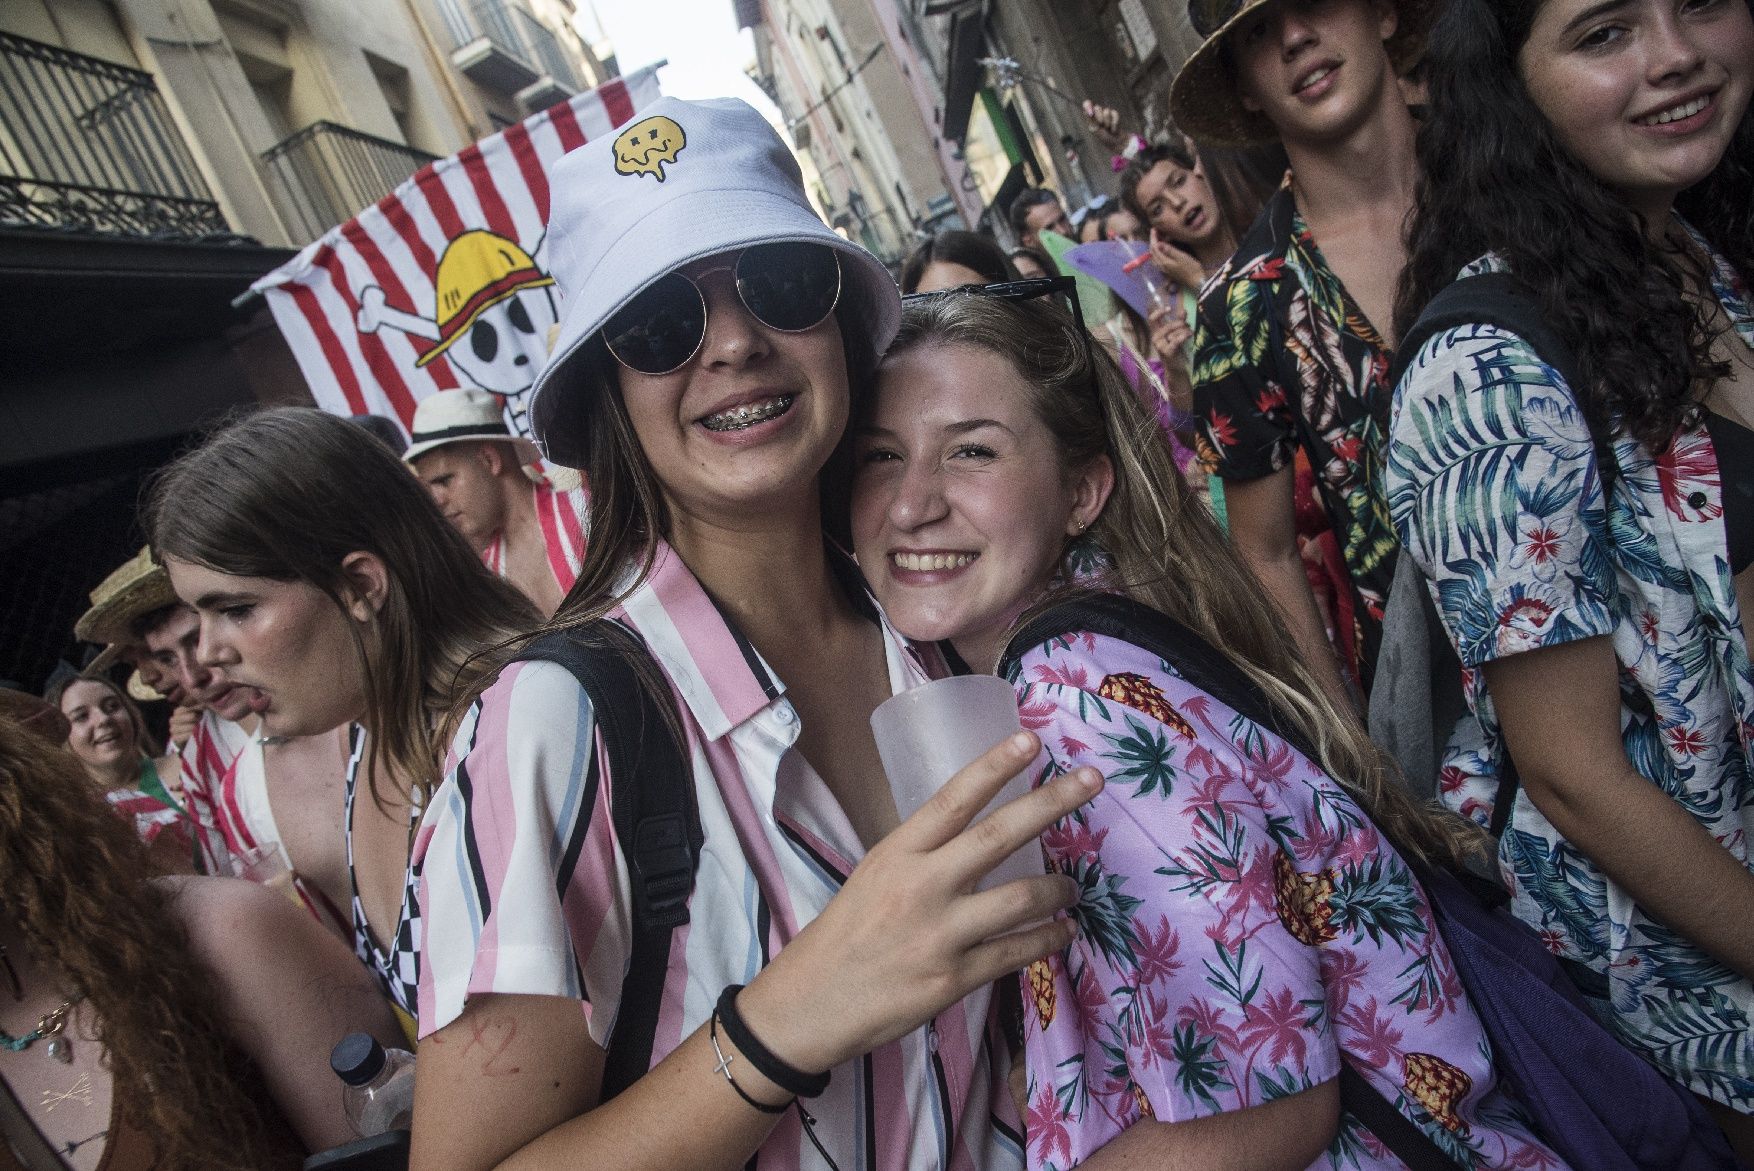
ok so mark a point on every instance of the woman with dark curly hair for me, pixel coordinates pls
(108, 1046)
(1589, 535)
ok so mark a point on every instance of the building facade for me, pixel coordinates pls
(156, 158)
(977, 98)
(827, 66)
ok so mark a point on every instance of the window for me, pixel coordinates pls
(393, 84)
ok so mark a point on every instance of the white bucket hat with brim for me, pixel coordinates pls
(683, 181)
(462, 416)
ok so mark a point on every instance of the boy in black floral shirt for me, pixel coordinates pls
(1289, 348)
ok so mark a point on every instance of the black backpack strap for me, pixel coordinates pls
(656, 820)
(1392, 1129)
(1204, 666)
(1488, 298)
(1192, 657)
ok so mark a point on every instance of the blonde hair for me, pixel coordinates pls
(1158, 545)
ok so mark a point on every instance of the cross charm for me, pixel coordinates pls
(724, 1065)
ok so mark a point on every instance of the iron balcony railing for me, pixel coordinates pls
(549, 56)
(512, 29)
(327, 173)
(88, 146)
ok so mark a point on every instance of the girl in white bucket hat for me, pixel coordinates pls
(827, 1003)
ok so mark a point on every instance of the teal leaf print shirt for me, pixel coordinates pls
(1243, 929)
(1493, 484)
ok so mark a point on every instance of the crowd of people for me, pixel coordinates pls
(551, 760)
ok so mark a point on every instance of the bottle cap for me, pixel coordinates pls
(357, 1059)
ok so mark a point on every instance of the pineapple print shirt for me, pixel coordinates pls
(1493, 478)
(1242, 930)
(522, 888)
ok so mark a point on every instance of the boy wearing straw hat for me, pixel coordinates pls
(526, 525)
(130, 607)
(226, 776)
(1291, 346)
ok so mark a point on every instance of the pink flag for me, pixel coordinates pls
(443, 282)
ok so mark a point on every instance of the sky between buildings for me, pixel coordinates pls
(700, 39)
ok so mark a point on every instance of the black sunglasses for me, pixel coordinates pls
(791, 286)
(1025, 290)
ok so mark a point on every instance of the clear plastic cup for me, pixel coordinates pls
(928, 734)
(1158, 288)
(265, 864)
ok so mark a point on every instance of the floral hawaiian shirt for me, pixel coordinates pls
(1242, 930)
(1278, 340)
(1493, 481)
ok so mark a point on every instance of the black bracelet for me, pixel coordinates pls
(793, 1081)
(724, 1067)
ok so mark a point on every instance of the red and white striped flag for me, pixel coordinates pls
(443, 282)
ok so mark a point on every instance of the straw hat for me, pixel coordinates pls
(477, 272)
(138, 588)
(686, 181)
(138, 688)
(1204, 101)
(465, 415)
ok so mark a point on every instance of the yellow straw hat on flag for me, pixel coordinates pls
(477, 272)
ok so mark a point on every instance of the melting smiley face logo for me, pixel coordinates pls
(644, 147)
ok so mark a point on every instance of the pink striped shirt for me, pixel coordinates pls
(522, 822)
(209, 754)
(231, 811)
(559, 512)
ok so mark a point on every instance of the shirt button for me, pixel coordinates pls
(785, 714)
(932, 1038)
(1697, 499)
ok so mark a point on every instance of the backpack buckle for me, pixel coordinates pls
(664, 864)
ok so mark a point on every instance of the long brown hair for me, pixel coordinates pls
(144, 742)
(288, 494)
(74, 882)
(628, 517)
(1160, 546)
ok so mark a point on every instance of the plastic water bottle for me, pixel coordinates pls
(379, 1093)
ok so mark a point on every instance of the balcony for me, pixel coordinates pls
(88, 147)
(501, 45)
(327, 173)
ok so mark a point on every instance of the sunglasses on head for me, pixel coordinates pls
(1024, 290)
(791, 286)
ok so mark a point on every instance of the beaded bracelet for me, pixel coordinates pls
(774, 1069)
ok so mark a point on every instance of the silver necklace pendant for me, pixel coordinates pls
(60, 1050)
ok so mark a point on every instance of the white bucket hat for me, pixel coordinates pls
(462, 416)
(686, 180)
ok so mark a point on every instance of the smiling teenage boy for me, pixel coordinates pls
(1292, 345)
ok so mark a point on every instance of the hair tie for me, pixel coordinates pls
(775, 1069)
